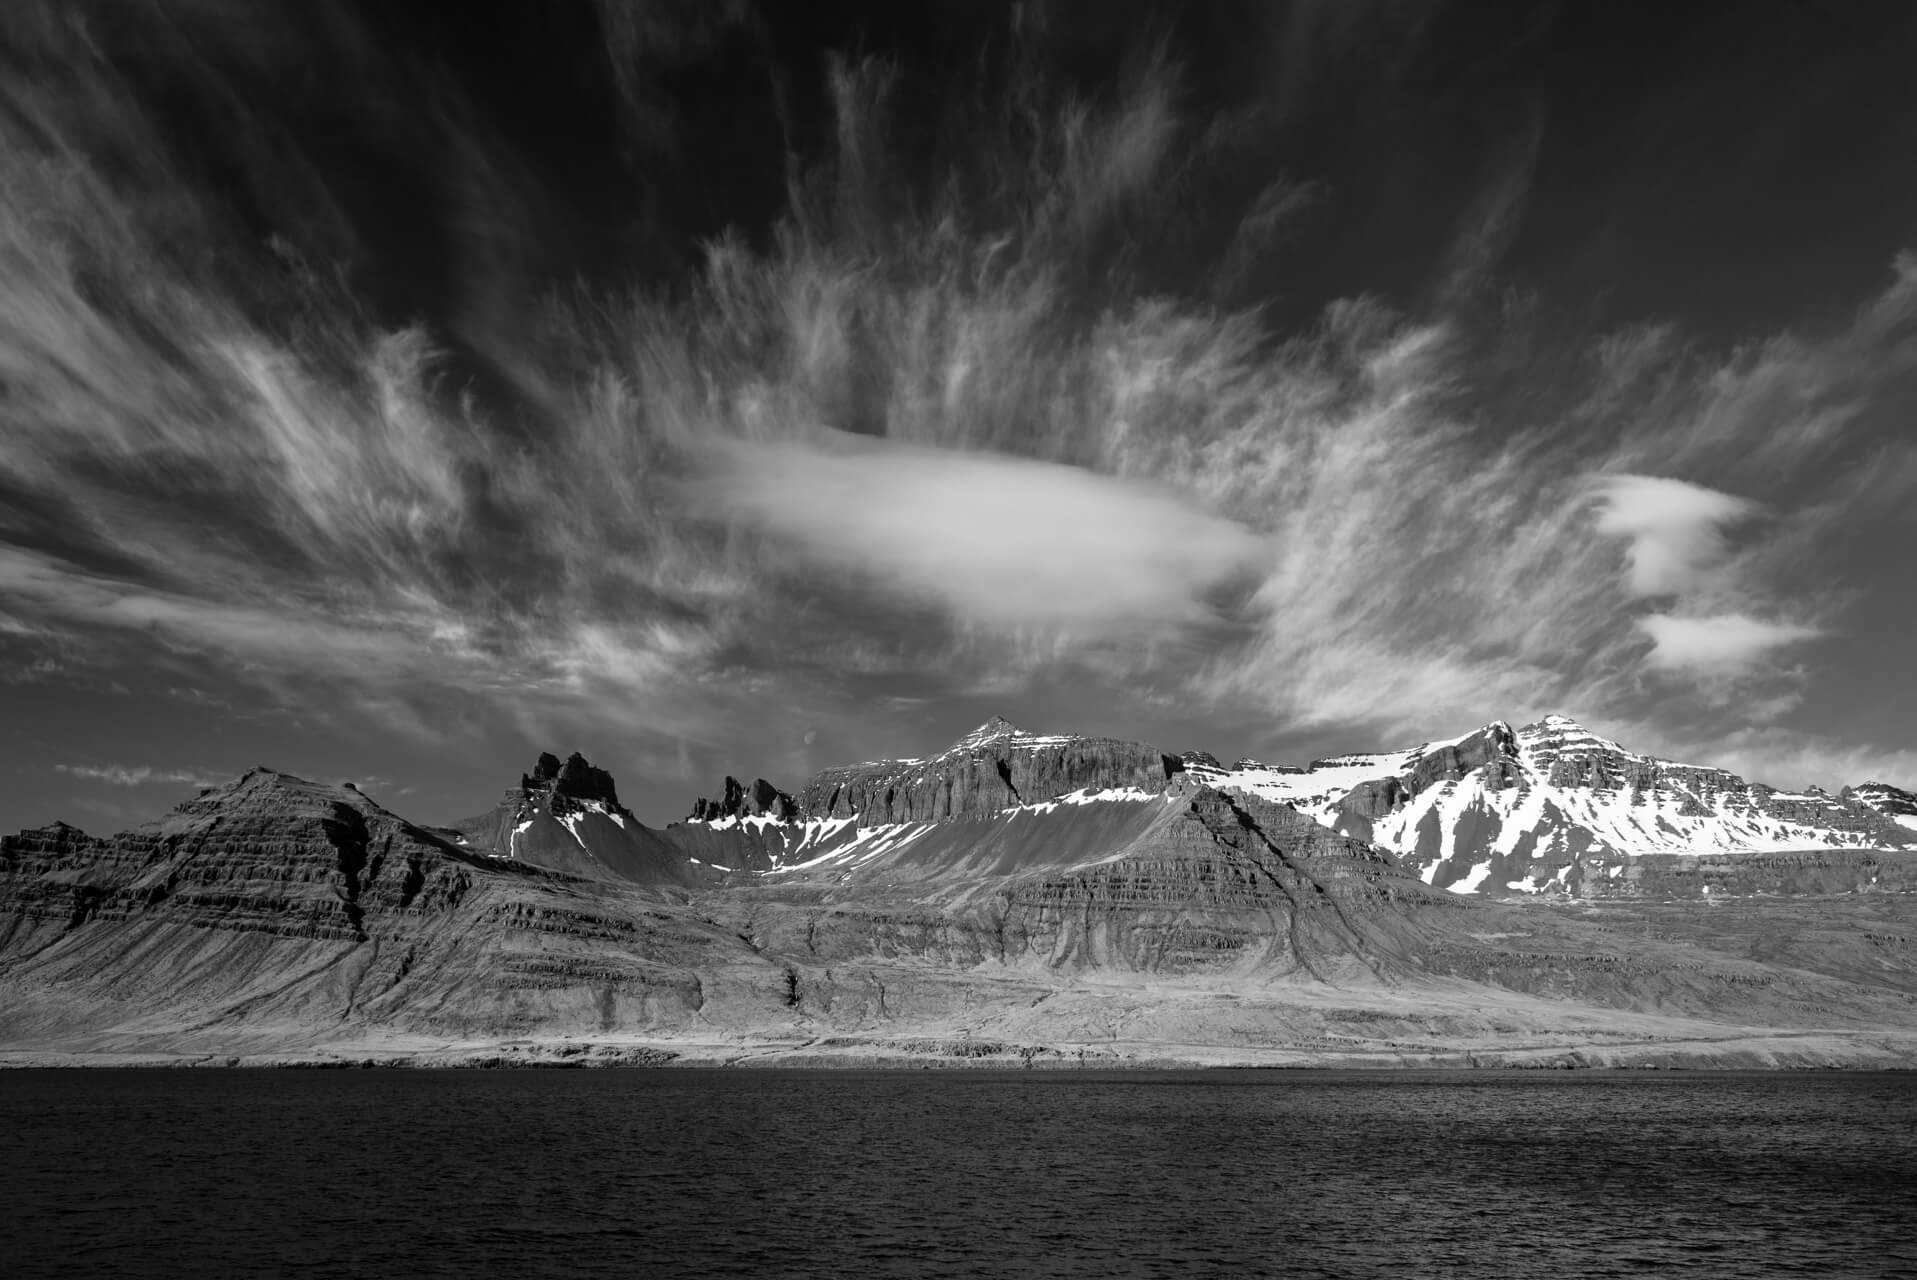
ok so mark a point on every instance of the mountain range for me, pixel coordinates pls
(1536, 895)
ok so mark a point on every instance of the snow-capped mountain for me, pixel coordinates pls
(1552, 806)
(1895, 803)
(568, 817)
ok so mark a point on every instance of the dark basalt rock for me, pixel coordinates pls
(1493, 748)
(568, 817)
(760, 799)
(581, 781)
(1374, 799)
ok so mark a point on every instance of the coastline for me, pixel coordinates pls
(1779, 1051)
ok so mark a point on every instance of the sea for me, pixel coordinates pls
(769, 1173)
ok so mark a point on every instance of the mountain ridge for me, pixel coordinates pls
(1547, 808)
(1145, 914)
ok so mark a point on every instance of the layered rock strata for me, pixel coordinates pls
(995, 767)
(1553, 808)
(274, 913)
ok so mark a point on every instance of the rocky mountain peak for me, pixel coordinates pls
(260, 785)
(581, 781)
(992, 730)
(1892, 802)
(575, 779)
(761, 799)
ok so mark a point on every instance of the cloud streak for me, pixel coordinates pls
(915, 438)
(120, 775)
(1725, 644)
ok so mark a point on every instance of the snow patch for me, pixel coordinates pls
(1472, 879)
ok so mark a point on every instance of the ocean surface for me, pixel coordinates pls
(920, 1173)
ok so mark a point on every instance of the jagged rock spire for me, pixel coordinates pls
(761, 798)
(576, 778)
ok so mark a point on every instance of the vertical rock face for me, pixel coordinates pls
(568, 817)
(994, 767)
(737, 800)
(578, 780)
(1492, 749)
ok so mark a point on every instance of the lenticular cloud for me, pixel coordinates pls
(997, 539)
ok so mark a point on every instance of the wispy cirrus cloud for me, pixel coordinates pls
(914, 438)
(141, 775)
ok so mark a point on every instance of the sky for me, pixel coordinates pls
(393, 391)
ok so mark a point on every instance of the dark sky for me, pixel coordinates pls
(394, 391)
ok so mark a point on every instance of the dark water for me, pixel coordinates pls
(694, 1173)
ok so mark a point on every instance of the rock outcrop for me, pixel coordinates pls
(568, 817)
(760, 800)
(1895, 803)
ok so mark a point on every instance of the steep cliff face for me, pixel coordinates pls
(994, 767)
(736, 800)
(1554, 808)
(568, 817)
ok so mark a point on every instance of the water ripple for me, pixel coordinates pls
(697, 1173)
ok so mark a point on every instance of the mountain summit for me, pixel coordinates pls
(1555, 808)
(568, 817)
(1895, 803)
